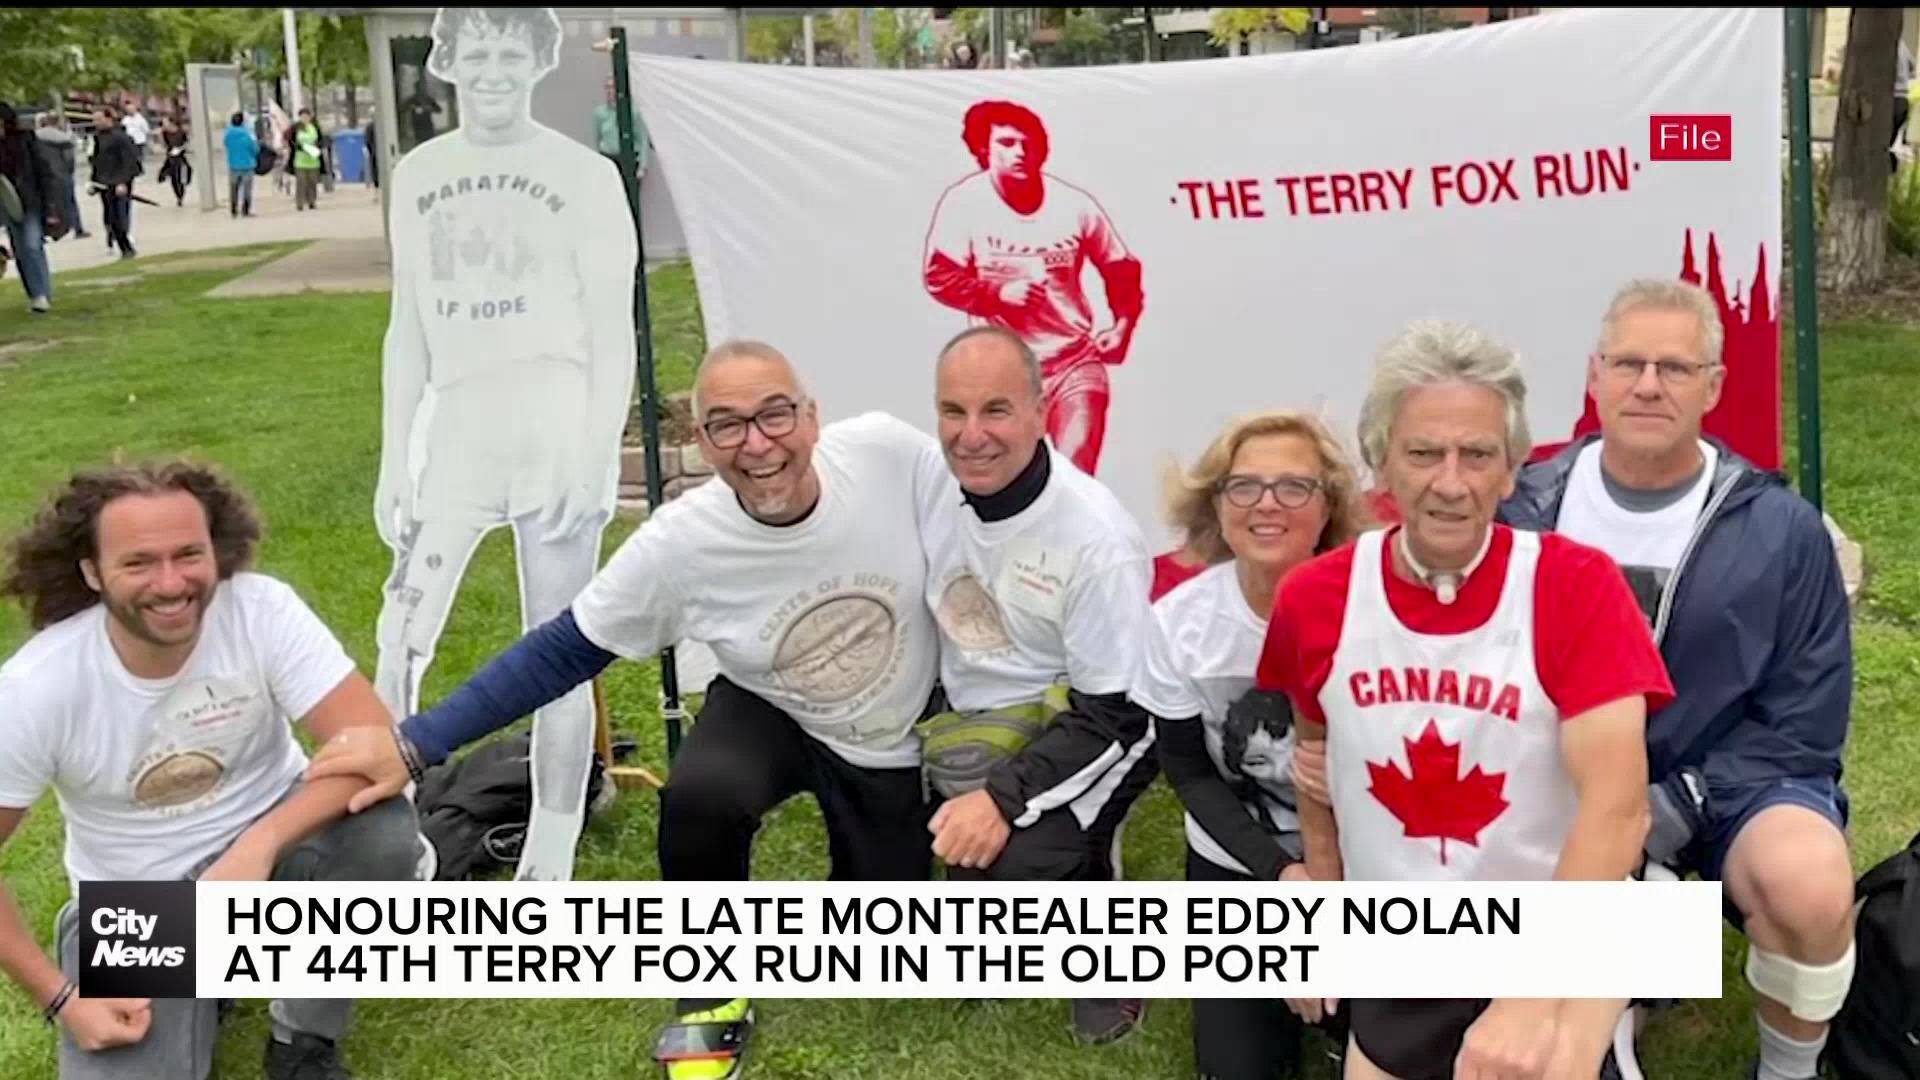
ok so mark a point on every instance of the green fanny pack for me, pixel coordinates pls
(958, 749)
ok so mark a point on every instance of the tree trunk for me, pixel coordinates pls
(353, 105)
(1853, 252)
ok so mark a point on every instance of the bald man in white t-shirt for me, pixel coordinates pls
(802, 570)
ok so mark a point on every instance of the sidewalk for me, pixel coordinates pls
(350, 212)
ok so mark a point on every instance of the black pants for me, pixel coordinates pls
(744, 757)
(118, 212)
(1057, 848)
(1413, 1038)
(1248, 1038)
(1900, 108)
(177, 173)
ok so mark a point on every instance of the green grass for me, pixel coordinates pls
(285, 393)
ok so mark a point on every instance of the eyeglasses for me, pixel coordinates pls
(774, 421)
(1672, 372)
(1292, 492)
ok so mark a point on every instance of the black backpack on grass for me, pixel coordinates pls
(1877, 1034)
(474, 809)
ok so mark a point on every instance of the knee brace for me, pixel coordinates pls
(1813, 993)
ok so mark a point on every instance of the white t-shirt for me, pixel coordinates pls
(157, 776)
(136, 128)
(821, 618)
(488, 243)
(1058, 592)
(974, 226)
(1646, 545)
(1201, 664)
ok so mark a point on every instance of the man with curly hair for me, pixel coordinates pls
(1008, 246)
(154, 699)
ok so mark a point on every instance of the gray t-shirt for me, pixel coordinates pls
(1648, 500)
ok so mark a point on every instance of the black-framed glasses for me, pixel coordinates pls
(1672, 372)
(774, 421)
(1292, 492)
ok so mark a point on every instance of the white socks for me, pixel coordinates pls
(1782, 1058)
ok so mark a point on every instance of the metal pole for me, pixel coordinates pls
(1806, 316)
(670, 711)
(292, 36)
(997, 42)
(259, 94)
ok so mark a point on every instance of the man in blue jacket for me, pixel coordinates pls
(1738, 578)
(243, 155)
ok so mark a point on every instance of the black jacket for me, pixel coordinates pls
(26, 167)
(116, 160)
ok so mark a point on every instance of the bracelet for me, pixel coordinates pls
(59, 1000)
(409, 755)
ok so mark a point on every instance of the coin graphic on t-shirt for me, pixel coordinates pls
(836, 648)
(178, 778)
(970, 617)
(198, 733)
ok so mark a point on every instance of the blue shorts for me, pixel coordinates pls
(1731, 806)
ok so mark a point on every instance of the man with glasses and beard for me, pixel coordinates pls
(508, 371)
(803, 571)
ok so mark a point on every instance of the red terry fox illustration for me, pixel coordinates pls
(1008, 246)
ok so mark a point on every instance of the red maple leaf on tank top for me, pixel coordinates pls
(1433, 799)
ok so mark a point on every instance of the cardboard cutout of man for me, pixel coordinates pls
(1008, 245)
(509, 363)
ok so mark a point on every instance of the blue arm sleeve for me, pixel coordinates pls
(1800, 712)
(536, 670)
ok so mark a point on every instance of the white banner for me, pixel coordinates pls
(1185, 242)
(948, 940)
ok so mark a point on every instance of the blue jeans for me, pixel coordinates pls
(240, 192)
(30, 252)
(381, 843)
(73, 211)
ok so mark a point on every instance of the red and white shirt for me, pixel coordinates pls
(973, 226)
(1443, 740)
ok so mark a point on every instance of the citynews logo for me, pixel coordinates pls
(136, 939)
(1690, 137)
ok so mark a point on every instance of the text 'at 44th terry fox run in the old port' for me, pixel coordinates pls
(1444, 185)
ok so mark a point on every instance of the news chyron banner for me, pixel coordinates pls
(1181, 243)
(910, 940)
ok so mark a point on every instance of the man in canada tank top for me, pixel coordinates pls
(1483, 695)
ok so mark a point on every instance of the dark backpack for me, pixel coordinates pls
(474, 809)
(1877, 1034)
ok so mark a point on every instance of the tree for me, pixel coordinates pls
(339, 50)
(1853, 249)
(1230, 25)
(1406, 22)
(774, 39)
(894, 34)
(38, 60)
(48, 52)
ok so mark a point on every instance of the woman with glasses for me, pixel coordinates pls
(1273, 490)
